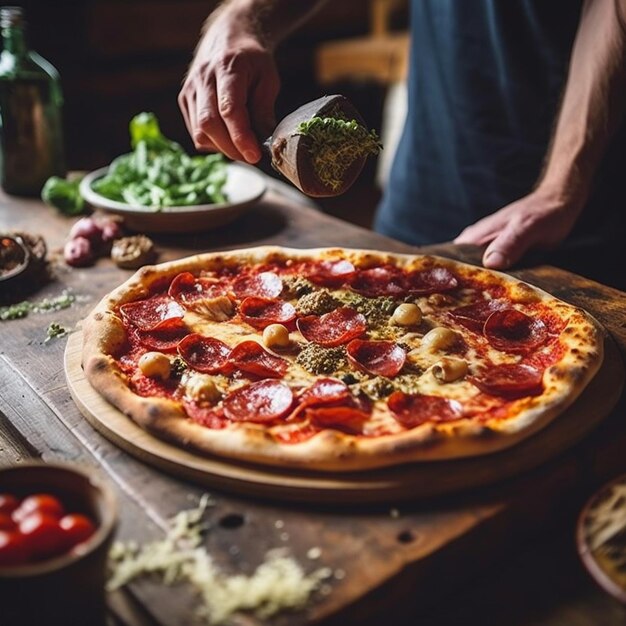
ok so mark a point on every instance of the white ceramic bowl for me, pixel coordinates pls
(245, 185)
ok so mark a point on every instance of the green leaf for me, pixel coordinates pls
(144, 127)
(63, 195)
(158, 173)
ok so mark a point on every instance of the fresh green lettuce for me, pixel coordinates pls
(159, 174)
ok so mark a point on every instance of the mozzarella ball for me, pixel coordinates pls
(407, 314)
(155, 365)
(276, 336)
(449, 369)
(201, 388)
(439, 338)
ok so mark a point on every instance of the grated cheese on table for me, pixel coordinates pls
(277, 584)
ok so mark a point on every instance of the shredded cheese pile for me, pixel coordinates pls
(278, 583)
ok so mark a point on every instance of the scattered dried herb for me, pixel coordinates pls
(335, 144)
(22, 309)
(55, 330)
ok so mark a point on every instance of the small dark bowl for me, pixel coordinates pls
(15, 245)
(600, 574)
(68, 589)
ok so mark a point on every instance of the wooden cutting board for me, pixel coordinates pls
(402, 483)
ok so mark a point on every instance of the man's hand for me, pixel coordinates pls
(538, 220)
(229, 93)
(591, 110)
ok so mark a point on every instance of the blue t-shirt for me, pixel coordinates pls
(485, 81)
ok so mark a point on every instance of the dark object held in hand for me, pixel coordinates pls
(322, 146)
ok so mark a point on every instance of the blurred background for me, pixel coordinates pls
(119, 57)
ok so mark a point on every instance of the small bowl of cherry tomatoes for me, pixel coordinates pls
(56, 525)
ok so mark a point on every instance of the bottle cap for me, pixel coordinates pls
(11, 16)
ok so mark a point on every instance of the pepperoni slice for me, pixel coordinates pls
(261, 312)
(325, 391)
(334, 328)
(510, 380)
(263, 401)
(379, 281)
(252, 358)
(474, 316)
(332, 273)
(163, 339)
(432, 280)
(187, 289)
(209, 416)
(411, 410)
(344, 418)
(153, 313)
(511, 330)
(264, 285)
(381, 358)
(204, 354)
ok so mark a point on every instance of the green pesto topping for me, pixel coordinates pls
(317, 303)
(387, 332)
(376, 388)
(22, 309)
(318, 360)
(408, 383)
(55, 330)
(297, 286)
(177, 367)
(349, 378)
(335, 144)
(376, 310)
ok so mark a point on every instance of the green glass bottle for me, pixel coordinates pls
(31, 137)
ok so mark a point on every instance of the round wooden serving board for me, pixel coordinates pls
(389, 485)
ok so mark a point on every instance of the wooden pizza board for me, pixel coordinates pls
(388, 485)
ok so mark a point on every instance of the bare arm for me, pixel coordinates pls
(232, 83)
(592, 107)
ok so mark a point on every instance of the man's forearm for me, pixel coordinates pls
(270, 20)
(593, 102)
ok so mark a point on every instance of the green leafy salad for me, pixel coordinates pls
(158, 173)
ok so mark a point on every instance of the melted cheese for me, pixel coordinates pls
(426, 343)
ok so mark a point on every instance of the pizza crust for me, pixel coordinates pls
(331, 450)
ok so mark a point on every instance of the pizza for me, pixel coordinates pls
(337, 359)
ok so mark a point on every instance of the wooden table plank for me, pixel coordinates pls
(431, 546)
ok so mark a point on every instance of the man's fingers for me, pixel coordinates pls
(209, 129)
(478, 234)
(184, 109)
(263, 101)
(507, 248)
(232, 103)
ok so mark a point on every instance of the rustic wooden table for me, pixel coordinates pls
(499, 555)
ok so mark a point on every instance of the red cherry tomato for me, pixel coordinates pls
(13, 548)
(7, 522)
(44, 537)
(8, 503)
(77, 528)
(39, 503)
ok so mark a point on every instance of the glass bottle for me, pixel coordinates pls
(31, 140)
